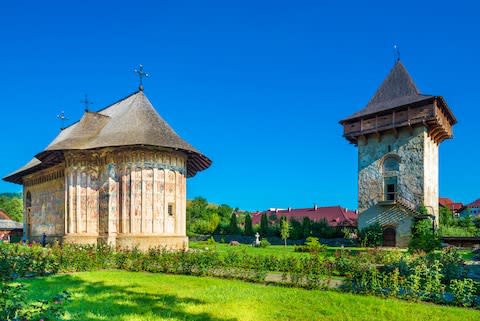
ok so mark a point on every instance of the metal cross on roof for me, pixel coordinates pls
(397, 52)
(86, 102)
(62, 119)
(141, 74)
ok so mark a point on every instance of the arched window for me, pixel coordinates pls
(391, 164)
(28, 200)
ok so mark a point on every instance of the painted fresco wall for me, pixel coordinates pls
(131, 196)
(46, 213)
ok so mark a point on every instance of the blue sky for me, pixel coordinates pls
(258, 86)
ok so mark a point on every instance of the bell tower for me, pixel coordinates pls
(398, 134)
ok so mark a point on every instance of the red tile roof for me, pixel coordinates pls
(334, 215)
(444, 201)
(475, 203)
(447, 202)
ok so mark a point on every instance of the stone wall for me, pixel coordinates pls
(417, 178)
(409, 146)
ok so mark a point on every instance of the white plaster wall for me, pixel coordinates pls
(431, 177)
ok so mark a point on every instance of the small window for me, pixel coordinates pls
(391, 164)
(389, 148)
(171, 211)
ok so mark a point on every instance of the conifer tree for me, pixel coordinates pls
(233, 227)
(264, 225)
(248, 225)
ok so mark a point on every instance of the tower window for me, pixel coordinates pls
(171, 211)
(390, 184)
(389, 148)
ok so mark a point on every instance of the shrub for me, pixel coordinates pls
(371, 236)
(452, 264)
(14, 304)
(312, 245)
(264, 243)
(463, 291)
(423, 238)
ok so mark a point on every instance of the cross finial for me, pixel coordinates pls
(62, 119)
(141, 74)
(397, 52)
(86, 102)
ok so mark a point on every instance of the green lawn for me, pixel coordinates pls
(118, 295)
(278, 250)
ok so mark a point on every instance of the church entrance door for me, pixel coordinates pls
(389, 237)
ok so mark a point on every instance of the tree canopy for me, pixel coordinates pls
(12, 205)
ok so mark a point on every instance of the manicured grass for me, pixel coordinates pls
(118, 295)
(278, 250)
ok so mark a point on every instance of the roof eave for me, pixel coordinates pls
(419, 102)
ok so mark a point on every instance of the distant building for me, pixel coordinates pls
(8, 228)
(472, 209)
(333, 215)
(446, 202)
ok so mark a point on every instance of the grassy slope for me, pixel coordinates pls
(118, 295)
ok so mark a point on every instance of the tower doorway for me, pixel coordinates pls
(389, 237)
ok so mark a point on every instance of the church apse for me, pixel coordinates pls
(120, 195)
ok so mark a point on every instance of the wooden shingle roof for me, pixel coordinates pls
(132, 121)
(397, 90)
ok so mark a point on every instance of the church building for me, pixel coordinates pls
(117, 176)
(398, 135)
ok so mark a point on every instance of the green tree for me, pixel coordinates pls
(306, 227)
(264, 225)
(446, 217)
(285, 230)
(12, 205)
(233, 226)
(296, 229)
(248, 225)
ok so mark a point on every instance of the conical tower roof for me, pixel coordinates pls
(132, 121)
(398, 89)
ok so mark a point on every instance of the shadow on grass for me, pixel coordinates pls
(99, 301)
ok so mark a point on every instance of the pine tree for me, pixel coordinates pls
(306, 227)
(264, 225)
(248, 225)
(233, 227)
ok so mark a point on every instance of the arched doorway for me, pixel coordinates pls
(389, 237)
